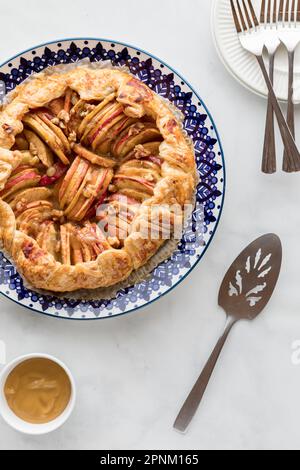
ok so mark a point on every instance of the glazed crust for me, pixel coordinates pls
(178, 183)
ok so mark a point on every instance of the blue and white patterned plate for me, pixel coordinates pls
(210, 162)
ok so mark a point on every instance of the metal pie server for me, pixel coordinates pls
(246, 289)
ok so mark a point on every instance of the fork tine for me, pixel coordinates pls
(235, 17)
(252, 11)
(244, 26)
(247, 15)
(269, 12)
(280, 11)
(287, 9)
(275, 11)
(262, 11)
(293, 12)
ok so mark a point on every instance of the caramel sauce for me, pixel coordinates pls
(38, 390)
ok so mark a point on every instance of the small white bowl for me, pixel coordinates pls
(21, 425)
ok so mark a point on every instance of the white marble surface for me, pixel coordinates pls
(134, 372)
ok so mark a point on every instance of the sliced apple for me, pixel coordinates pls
(137, 134)
(65, 239)
(149, 150)
(87, 253)
(30, 195)
(48, 239)
(89, 120)
(100, 118)
(93, 157)
(114, 116)
(76, 249)
(132, 193)
(124, 199)
(56, 130)
(37, 204)
(99, 180)
(31, 219)
(144, 169)
(25, 179)
(56, 171)
(104, 147)
(77, 194)
(137, 183)
(43, 151)
(47, 135)
(21, 143)
(73, 181)
(92, 236)
(118, 221)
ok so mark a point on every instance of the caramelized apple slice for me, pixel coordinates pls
(139, 133)
(37, 146)
(104, 147)
(132, 193)
(90, 120)
(65, 240)
(87, 253)
(47, 135)
(26, 178)
(21, 143)
(103, 118)
(76, 248)
(29, 220)
(150, 151)
(93, 157)
(118, 217)
(141, 168)
(99, 180)
(26, 196)
(73, 181)
(134, 182)
(90, 235)
(56, 130)
(75, 195)
(113, 116)
(47, 238)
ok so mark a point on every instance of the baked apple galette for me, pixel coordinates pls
(84, 155)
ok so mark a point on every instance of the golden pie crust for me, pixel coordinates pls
(100, 134)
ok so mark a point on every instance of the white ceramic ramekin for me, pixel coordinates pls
(23, 426)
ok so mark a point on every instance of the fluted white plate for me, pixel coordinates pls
(241, 64)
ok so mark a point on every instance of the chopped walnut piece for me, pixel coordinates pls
(114, 242)
(112, 188)
(7, 128)
(72, 137)
(84, 113)
(135, 130)
(64, 116)
(140, 152)
(90, 191)
(51, 171)
(57, 214)
(55, 121)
